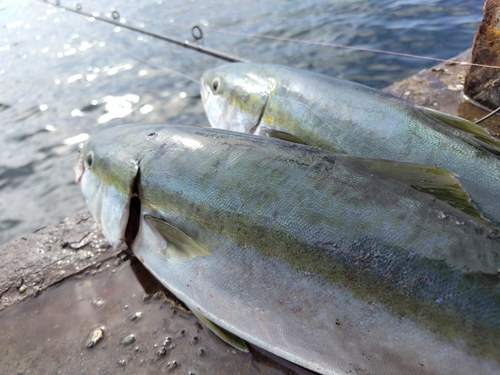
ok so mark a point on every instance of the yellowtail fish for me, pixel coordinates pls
(346, 117)
(334, 262)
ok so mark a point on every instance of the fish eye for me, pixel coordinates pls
(215, 85)
(90, 159)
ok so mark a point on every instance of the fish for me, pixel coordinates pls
(346, 117)
(337, 263)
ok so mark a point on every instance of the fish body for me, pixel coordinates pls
(347, 117)
(311, 255)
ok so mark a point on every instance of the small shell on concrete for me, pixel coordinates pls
(136, 316)
(130, 339)
(96, 336)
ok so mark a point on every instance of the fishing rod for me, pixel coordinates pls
(196, 32)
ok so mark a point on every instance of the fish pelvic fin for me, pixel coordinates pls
(479, 136)
(179, 245)
(440, 183)
(223, 334)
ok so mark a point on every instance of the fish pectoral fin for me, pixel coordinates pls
(223, 334)
(284, 136)
(440, 183)
(482, 137)
(179, 245)
(293, 120)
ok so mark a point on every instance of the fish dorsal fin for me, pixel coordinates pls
(483, 138)
(225, 335)
(284, 136)
(179, 245)
(440, 183)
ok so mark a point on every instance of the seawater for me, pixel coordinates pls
(63, 76)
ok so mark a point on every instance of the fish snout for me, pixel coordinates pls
(204, 91)
(79, 168)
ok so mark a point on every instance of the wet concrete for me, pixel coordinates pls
(102, 314)
(31, 264)
(441, 88)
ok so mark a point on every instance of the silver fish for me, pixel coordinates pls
(334, 262)
(346, 117)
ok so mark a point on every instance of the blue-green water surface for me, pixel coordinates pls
(64, 76)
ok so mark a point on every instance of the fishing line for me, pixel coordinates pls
(325, 44)
(484, 108)
(334, 45)
(116, 17)
(487, 116)
(197, 34)
(445, 61)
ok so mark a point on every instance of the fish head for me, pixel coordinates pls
(107, 176)
(235, 96)
(107, 169)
